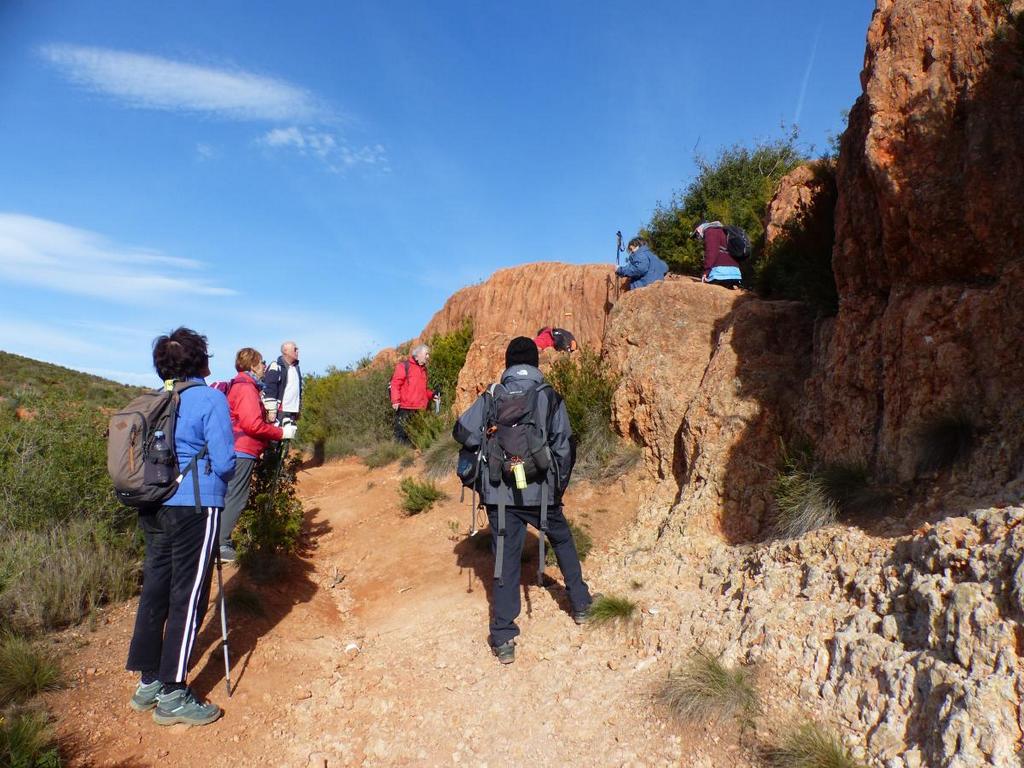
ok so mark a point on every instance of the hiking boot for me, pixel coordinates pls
(583, 616)
(182, 706)
(144, 698)
(506, 652)
(228, 554)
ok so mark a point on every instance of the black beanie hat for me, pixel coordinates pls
(521, 351)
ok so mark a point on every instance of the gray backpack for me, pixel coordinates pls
(145, 477)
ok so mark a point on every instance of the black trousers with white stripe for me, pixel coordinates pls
(175, 589)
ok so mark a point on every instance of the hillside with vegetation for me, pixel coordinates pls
(65, 542)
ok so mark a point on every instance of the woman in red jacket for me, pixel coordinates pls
(252, 435)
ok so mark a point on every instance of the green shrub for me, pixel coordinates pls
(50, 579)
(441, 459)
(798, 264)
(419, 495)
(944, 441)
(385, 453)
(345, 411)
(585, 386)
(704, 688)
(424, 428)
(27, 740)
(809, 746)
(582, 538)
(734, 188)
(447, 356)
(244, 600)
(272, 521)
(26, 670)
(611, 609)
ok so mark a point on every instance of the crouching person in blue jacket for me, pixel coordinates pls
(181, 537)
(642, 267)
(519, 491)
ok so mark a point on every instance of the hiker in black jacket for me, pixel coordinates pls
(537, 502)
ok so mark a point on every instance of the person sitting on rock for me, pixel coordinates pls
(558, 338)
(642, 267)
(720, 268)
(519, 492)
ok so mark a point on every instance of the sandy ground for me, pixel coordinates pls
(372, 650)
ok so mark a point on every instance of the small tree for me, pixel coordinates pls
(447, 356)
(733, 188)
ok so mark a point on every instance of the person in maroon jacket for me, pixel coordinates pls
(719, 267)
(409, 390)
(252, 435)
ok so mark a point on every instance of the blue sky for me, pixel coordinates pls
(331, 172)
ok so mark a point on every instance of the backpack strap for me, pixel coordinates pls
(499, 552)
(193, 468)
(543, 528)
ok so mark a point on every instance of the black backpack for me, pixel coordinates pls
(513, 430)
(406, 363)
(517, 433)
(737, 243)
(143, 477)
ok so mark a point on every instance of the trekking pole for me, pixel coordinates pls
(223, 624)
(618, 249)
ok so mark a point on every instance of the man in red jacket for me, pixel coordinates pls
(409, 390)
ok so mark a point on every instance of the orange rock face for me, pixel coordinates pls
(929, 236)
(711, 380)
(520, 300)
(796, 191)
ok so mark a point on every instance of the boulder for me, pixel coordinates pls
(710, 380)
(794, 195)
(659, 343)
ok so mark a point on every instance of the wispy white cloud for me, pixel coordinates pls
(54, 256)
(206, 151)
(332, 150)
(153, 82)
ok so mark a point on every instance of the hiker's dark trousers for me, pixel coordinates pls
(402, 416)
(236, 498)
(175, 588)
(506, 599)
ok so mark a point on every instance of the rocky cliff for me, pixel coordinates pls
(929, 234)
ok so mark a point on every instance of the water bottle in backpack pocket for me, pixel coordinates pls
(160, 463)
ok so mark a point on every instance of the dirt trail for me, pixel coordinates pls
(372, 650)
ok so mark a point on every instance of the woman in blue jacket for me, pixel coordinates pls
(642, 267)
(180, 539)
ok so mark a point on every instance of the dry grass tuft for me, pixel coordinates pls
(704, 689)
(810, 746)
(26, 670)
(611, 609)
